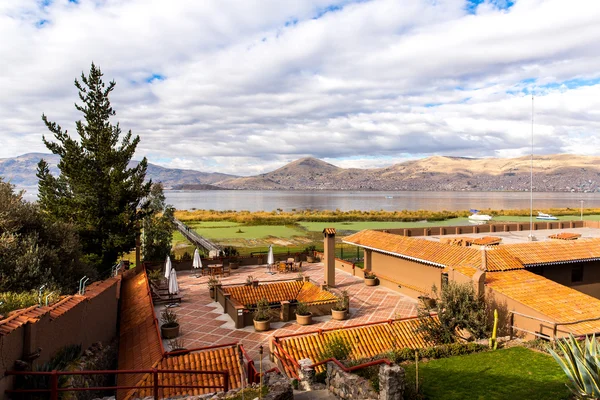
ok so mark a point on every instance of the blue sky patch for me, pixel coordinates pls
(326, 10)
(472, 5)
(155, 77)
(42, 22)
(291, 22)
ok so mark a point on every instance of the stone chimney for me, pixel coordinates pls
(329, 256)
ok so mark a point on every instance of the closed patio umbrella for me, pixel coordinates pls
(197, 263)
(270, 259)
(173, 286)
(168, 267)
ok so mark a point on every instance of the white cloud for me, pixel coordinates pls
(249, 86)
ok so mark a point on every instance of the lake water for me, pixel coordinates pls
(269, 200)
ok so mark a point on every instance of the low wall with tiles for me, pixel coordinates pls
(39, 333)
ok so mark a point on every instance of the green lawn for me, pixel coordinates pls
(213, 224)
(249, 232)
(515, 373)
(360, 225)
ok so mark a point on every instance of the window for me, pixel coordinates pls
(444, 280)
(577, 274)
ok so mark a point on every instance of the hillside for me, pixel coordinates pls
(20, 171)
(562, 172)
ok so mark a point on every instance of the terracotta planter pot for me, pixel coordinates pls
(262, 326)
(212, 293)
(339, 315)
(371, 281)
(234, 264)
(169, 331)
(304, 319)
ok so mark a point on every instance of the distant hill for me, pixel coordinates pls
(561, 172)
(20, 171)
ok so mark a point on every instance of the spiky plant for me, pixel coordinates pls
(579, 360)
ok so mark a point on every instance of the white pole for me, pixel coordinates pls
(531, 179)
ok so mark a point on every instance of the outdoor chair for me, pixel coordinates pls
(159, 298)
(226, 270)
(282, 268)
(298, 266)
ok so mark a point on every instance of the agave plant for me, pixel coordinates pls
(579, 360)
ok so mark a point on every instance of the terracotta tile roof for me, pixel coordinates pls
(140, 346)
(221, 359)
(486, 241)
(278, 291)
(565, 236)
(559, 303)
(96, 288)
(366, 341)
(555, 252)
(498, 258)
(467, 271)
(329, 231)
(422, 250)
(32, 314)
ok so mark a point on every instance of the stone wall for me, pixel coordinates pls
(348, 386)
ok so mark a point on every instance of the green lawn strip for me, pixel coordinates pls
(181, 245)
(250, 232)
(212, 224)
(360, 225)
(514, 373)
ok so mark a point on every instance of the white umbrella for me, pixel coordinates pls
(168, 267)
(270, 258)
(197, 261)
(173, 286)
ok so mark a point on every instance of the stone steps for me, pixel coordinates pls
(314, 395)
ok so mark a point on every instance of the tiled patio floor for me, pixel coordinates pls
(203, 322)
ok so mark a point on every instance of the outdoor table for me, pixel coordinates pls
(216, 269)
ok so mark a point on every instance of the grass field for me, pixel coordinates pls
(249, 232)
(514, 373)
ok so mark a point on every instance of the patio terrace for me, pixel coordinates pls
(203, 322)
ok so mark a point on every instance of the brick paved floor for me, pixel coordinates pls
(203, 322)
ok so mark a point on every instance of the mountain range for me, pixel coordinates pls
(559, 172)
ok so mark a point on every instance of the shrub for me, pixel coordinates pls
(580, 362)
(155, 275)
(342, 302)
(230, 251)
(185, 257)
(263, 310)
(302, 308)
(370, 275)
(13, 301)
(458, 308)
(336, 347)
(213, 282)
(441, 351)
(169, 317)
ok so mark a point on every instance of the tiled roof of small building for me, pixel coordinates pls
(421, 250)
(498, 258)
(140, 346)
(486, 241)
(555, 252)
(220, 359)
(276, 292)
(366, 341)
(565, 236)
(556, 301)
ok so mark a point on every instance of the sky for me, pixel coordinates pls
(243, 87)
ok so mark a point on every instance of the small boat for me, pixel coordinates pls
(476, 217)
(546, 217)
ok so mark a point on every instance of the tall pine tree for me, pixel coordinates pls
(96, 189)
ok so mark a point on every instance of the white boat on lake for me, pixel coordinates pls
(546, 217)
(479, 218)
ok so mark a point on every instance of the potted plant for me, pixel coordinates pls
(170, 323)
(303, 314)
(262, 316)
(339, 311)
(212, 284)
(177, 344)
(371, 279)
(232, 253)
(310, 254)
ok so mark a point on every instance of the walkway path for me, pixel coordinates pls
(194, 238)
(204, 324)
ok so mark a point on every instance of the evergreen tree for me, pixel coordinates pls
(95, 190)
(158, 226)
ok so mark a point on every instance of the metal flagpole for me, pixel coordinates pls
(531, 179)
